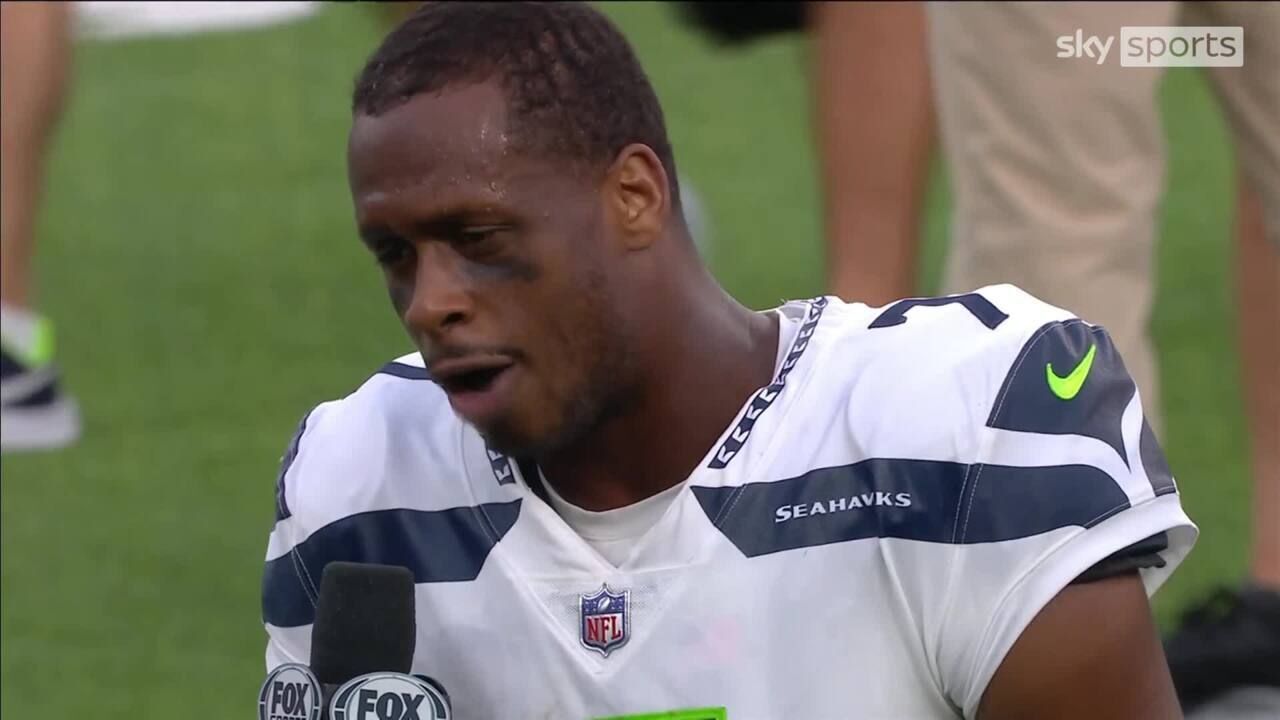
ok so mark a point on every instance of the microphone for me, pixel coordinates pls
(364, 622)
(362, 645)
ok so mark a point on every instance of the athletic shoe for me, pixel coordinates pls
(1229, 641)
(34, 413)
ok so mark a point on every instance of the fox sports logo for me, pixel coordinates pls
(390, 696)
(290, 693)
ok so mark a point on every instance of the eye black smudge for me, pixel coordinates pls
(401, 295)
(508, 269)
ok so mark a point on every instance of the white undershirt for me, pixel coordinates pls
(613, 533)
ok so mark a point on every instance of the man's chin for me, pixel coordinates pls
(537, 439)
(510, 441)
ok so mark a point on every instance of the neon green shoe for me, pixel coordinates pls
(35, 414)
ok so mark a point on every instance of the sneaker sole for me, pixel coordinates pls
(49, 427)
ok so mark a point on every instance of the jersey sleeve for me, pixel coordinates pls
(1067, 474)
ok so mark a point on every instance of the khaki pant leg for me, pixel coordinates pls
(1250, 96)
(1251, 101)
(1057, 164)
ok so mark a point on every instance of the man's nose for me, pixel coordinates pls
(441, 291)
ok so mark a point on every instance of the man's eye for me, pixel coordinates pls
(392, 255)
(475, 236)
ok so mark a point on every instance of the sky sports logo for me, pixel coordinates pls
(1160, 46)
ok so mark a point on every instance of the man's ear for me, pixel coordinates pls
(638, 195)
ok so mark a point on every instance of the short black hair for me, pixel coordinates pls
(574, 87)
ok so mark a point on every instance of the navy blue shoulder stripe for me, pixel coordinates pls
(400, 370)
(1027, 403)
(926, 500)
(437, 545)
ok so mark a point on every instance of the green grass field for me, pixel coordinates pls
(197, 253)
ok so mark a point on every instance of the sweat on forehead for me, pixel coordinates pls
(460, 128)
(456, 138)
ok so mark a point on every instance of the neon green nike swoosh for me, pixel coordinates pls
(1069, 386)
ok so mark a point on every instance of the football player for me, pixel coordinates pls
(623, 493)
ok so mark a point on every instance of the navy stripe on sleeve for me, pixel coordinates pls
(930, 501)
(437, 545)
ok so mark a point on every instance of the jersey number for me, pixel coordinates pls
(980, 307)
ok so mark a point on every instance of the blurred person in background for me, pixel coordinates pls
(35, 57)
(36, 40)
(874, 165)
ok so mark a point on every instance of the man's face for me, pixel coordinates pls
(498, 264)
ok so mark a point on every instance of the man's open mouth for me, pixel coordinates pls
(472, 380)
(469, 375)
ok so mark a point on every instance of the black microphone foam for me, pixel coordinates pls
(364, 621)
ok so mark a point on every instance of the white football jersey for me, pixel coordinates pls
(866, 540)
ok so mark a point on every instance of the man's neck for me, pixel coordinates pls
(695, 382)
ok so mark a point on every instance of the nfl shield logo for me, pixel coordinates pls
(606, 620)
